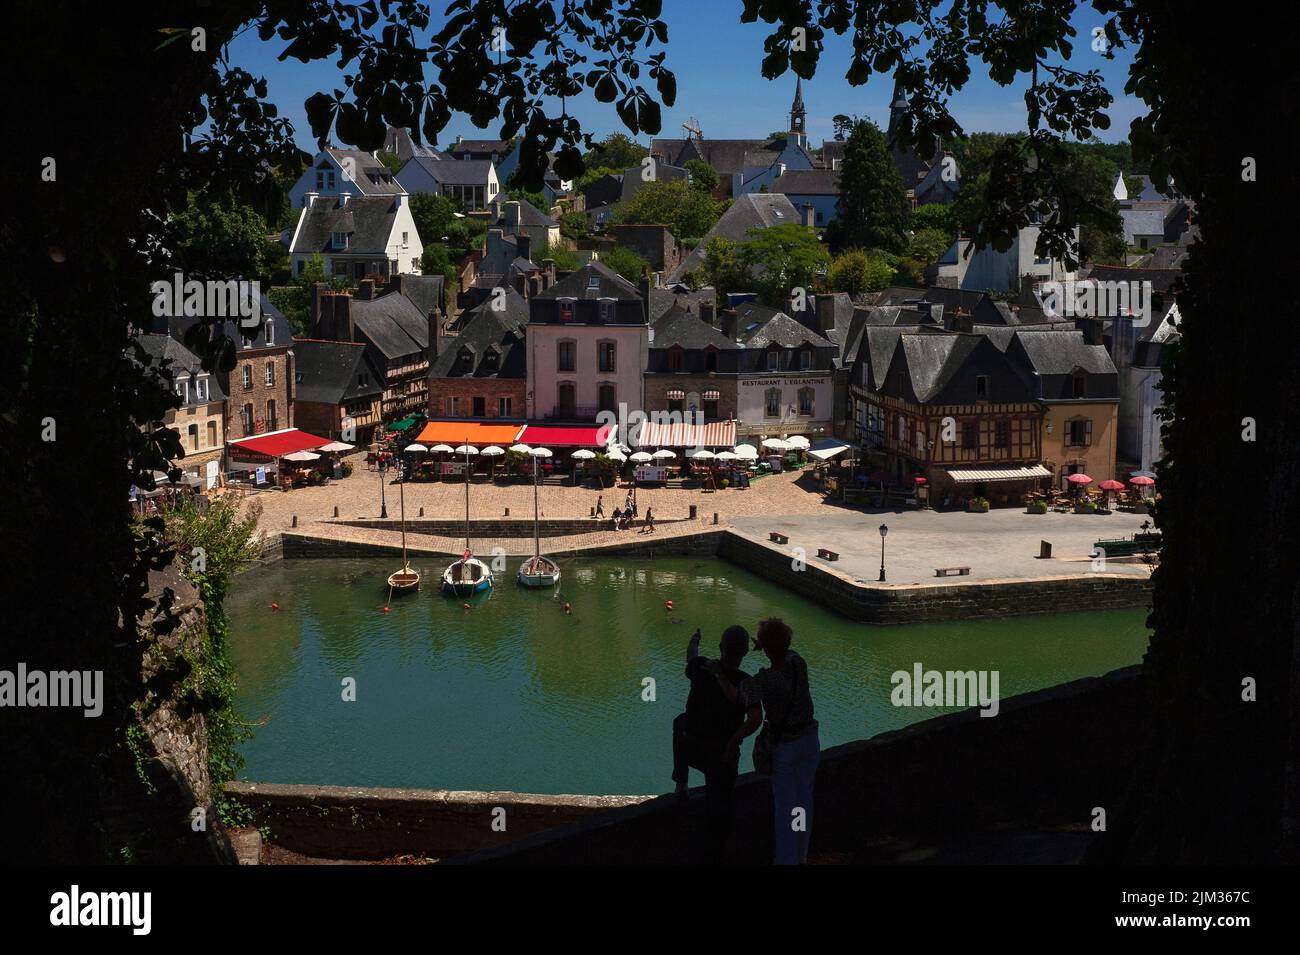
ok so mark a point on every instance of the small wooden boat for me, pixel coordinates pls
(406, 579)
(469, 575)
(538, 571)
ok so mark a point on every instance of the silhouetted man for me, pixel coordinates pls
(700, 734)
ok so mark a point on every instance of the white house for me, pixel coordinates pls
(988, 269)
(471, 182)
(344, 172)
(367, 235)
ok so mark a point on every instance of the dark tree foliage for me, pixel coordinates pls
(137, 115)
(872, 212)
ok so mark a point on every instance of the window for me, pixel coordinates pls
(406, 238)
(503, 407)
(491, 360)
(194, 437)
(607, 397)
(710, 406)
(297, 377)
(773, 360)
(1002, 434)
(567, 395)
(480, 407)
(183, 391)
(593, 280)
(1078, 433)
(567, 356)
(805, 401)
(248, 377)
(710, 359)
(1078, 385)
(247, 415)
(270, 415)
(676, 400)
(605, 354)
(270, 372)
(566, 309)
(675, 355)
(981, 387)
(339, 240)
(212, 434)
(201, 389)
(606, 309)
(969, 436)
(270, 331)
(805, 359)
(453, 406)
(772, 403)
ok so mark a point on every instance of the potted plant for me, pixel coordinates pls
(978, 505)
(345, 468)
(1085, 506)
(1036, 507)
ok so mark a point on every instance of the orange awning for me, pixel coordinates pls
(468, 432)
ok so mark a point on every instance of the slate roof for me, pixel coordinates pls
(759, 326)
(1142, 222)
(662, 299)
(501, 146)
(1162, 280)
(832, 151)
(515, 312)
(487, 330)
(632, 182)
(170, 354)
(933, 360)
(686, 329)
(329, 372)
(283, 332)
(808, 182)
(879, 342)
(1060, 352)
(424, 291)
(456, 172)
(727, 156)
(392, 324)
(369, 219)
(748, 211)
(529, 215)
(372, 177)
(399, 141)
(576, 285)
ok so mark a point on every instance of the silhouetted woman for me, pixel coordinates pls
(781, 694)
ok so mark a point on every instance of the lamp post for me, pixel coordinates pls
(883, 531)
(383, 505)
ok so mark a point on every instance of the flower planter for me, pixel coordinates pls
(977, 508)
(1084, 509)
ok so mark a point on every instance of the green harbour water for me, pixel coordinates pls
(515, 694)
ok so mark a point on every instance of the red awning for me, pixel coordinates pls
(276, 444)
(544, 436)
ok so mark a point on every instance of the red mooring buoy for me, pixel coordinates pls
(668, 605)
(385, 610)
(567, 608)
(466, 606)
(275, 606)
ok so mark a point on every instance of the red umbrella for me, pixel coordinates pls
(1142, 481)
(918, 480)
(1111, 485)
(1079, 479)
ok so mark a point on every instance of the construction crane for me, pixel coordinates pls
(693, 126)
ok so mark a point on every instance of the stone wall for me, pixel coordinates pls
(339, 822)
(504, 527)
(298, 545)
(1018, 787)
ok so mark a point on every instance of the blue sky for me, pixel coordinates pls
(718, 60)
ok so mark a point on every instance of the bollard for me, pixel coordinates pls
(295, 521)
(715, 517)
(422, 512)
(1044, 550)
(507, 512)
(336, 510)
(692, 512)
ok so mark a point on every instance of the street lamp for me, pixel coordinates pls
(883, 531)
(383, 505)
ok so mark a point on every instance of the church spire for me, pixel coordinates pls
(897, 109)
(796, 109)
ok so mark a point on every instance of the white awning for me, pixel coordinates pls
(1000, 474)
(828, 448)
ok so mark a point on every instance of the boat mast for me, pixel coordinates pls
(402, 486)
(467, 496)
(537, 545)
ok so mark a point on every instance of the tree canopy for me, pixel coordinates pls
(872, 211)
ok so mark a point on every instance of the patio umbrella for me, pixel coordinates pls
(441, 449)
(301, 456)
(539, 452)
(1111, 485)
(582, 454)
(492, 451)
(798, 443)
(1079, 479)
(726, 455)
(746, 452)
(616, 455)
(1146, 474)
(663, 454)
(1142, 480)
(336, 446)
(702, 455)
(642, 456)
(416, 448)
(776, 444)
(466, 449)
(918, 480)
(521, 448)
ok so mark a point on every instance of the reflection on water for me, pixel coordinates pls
(516, 694)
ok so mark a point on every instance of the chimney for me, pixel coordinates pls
(524, 246)
(825, 313)
(521, 284)
(534, 285)
(322, 311)
(643, 289)
(1091, 328)
(399, 200)
(309, 197)
(343, 199)
(344, 330)
(512, 214)
(729, 321)
(365, 290)
(809, 215)
(780, 170)
(708, 311)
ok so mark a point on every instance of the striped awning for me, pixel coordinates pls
(715, 434)
(676, 394)
(1000, 474)
(711, 396)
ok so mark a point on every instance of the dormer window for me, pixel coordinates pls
(710, 359)
(981, 387)
(805, 359)
(593, 280)
(566, 309)
(492, 359)
(773, 360)
(1078, 385)
(339, 240)
(675, 358)
(607, 309)
(270, 332)
(466, 359)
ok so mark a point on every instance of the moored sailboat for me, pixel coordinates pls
(538, 571)
(407, 579)
(469, 575)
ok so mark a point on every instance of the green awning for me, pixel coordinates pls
(404, 424)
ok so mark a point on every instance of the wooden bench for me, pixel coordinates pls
(825, 554)
(779, 538)
(951, 571)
